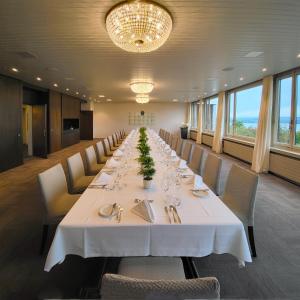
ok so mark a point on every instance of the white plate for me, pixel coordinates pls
(108, 171)
(200, 193)
(105, 211)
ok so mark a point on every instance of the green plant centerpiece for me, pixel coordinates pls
(147, 169)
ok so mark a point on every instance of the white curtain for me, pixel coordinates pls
(218, 136)
(189, 115)
(260, 159)
(199, 128)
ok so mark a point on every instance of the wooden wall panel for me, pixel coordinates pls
(11, 145)
(70, 107)
(55, 121)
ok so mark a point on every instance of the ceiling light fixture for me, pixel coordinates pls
(139, 26)
(55, 84)
(226, 85)
(264, 69)
(108, 100)
(67, 89)
(298, 55)
(142, 98)
(141, 87)
(241, 78)
(77, 93)
(39, 79)
(101, 96)
(175, 100)
(15, 70)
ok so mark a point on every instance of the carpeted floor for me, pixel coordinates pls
(274, 274)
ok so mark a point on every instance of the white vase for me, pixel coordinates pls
(147, 184)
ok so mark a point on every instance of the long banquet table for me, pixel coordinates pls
(207, 227)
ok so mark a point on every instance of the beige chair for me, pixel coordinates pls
(120, 139)
(169, 142)
(163, 133)
(239, 196)
(174, 142)
(160, 132)
(78, 180)
(196, 159)
(179, 146)
(57, 200)
(156, 278)
(93, 168)
(111, 144)
(100, 153)
(186, 151)
(211, 172)
(107, 150)
(167, 135)
(116, 143)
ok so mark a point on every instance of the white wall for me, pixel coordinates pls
(109, 117)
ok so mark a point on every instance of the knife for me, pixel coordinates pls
(175, 210)
(173, 213)
(167, 212)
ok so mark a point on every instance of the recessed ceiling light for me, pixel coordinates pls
(39, 79)
(101, 96)
(55, 85)
(226, 85)
(253, 54)
(298, 55)
(15, 69)
(77, 93)
(175, 100)
(241, 78)
(83, 96)
(108, 100)
(264, 69)
(67, 89)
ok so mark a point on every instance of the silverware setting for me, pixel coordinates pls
(167, 212)
(176, 217)
(97, 186)
(119, 215)
(200, 190)
(186, 175)
(137, 200)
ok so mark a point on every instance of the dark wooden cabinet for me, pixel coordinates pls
(11, 151)
(55, 121)
(86, 125)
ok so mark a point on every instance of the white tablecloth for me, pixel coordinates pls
(208, 226)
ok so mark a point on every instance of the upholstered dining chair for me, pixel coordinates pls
(211, 172)
(93, 168)
(163, 134)
(179, 146)
(78, 180)
(119, 137)
(100, 153)
(167, 136)
(56, 199)
(196, 159)
(169, 142)
(115, 140)
(111, 144)
(239, 196)
(186, 151)
(107, 150)
(174, 142)
(160, 132)
(156, 278)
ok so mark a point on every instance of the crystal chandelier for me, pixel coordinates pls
(139, 26)
(141, 87)
(142, 98)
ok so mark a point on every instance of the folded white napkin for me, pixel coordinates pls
(112, 163)
(198, 183)
(144, 210)
(118, 152)
(182, 164)
(173, 153)
(103, 179)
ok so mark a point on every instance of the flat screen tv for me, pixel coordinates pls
(71, 124)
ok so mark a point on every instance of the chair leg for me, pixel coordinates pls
(251, 240)
(44, 238)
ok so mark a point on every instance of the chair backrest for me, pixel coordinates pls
(91, 158)
(75, 167)
(115, 140)
(211, 172)
(174, 141)
(186, 152)
(169, 139)
(125, 288)
(167, 136)
(100, 151)
(53, 184)
(110, 142)
(240, 191)
(179, 146)
(160, 132)
(106, 146)
(195, 162)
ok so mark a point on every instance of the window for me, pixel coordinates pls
(287, 111)
(243, 107)
(194, 115)
(210, 114)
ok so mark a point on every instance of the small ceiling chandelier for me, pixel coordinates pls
(142, 98)
(141, 86)
(139, 26)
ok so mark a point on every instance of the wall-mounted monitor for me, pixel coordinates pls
(71, 124)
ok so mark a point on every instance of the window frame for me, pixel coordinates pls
(227, 112)
(204, 113)
(291, 146)
(194, 113)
